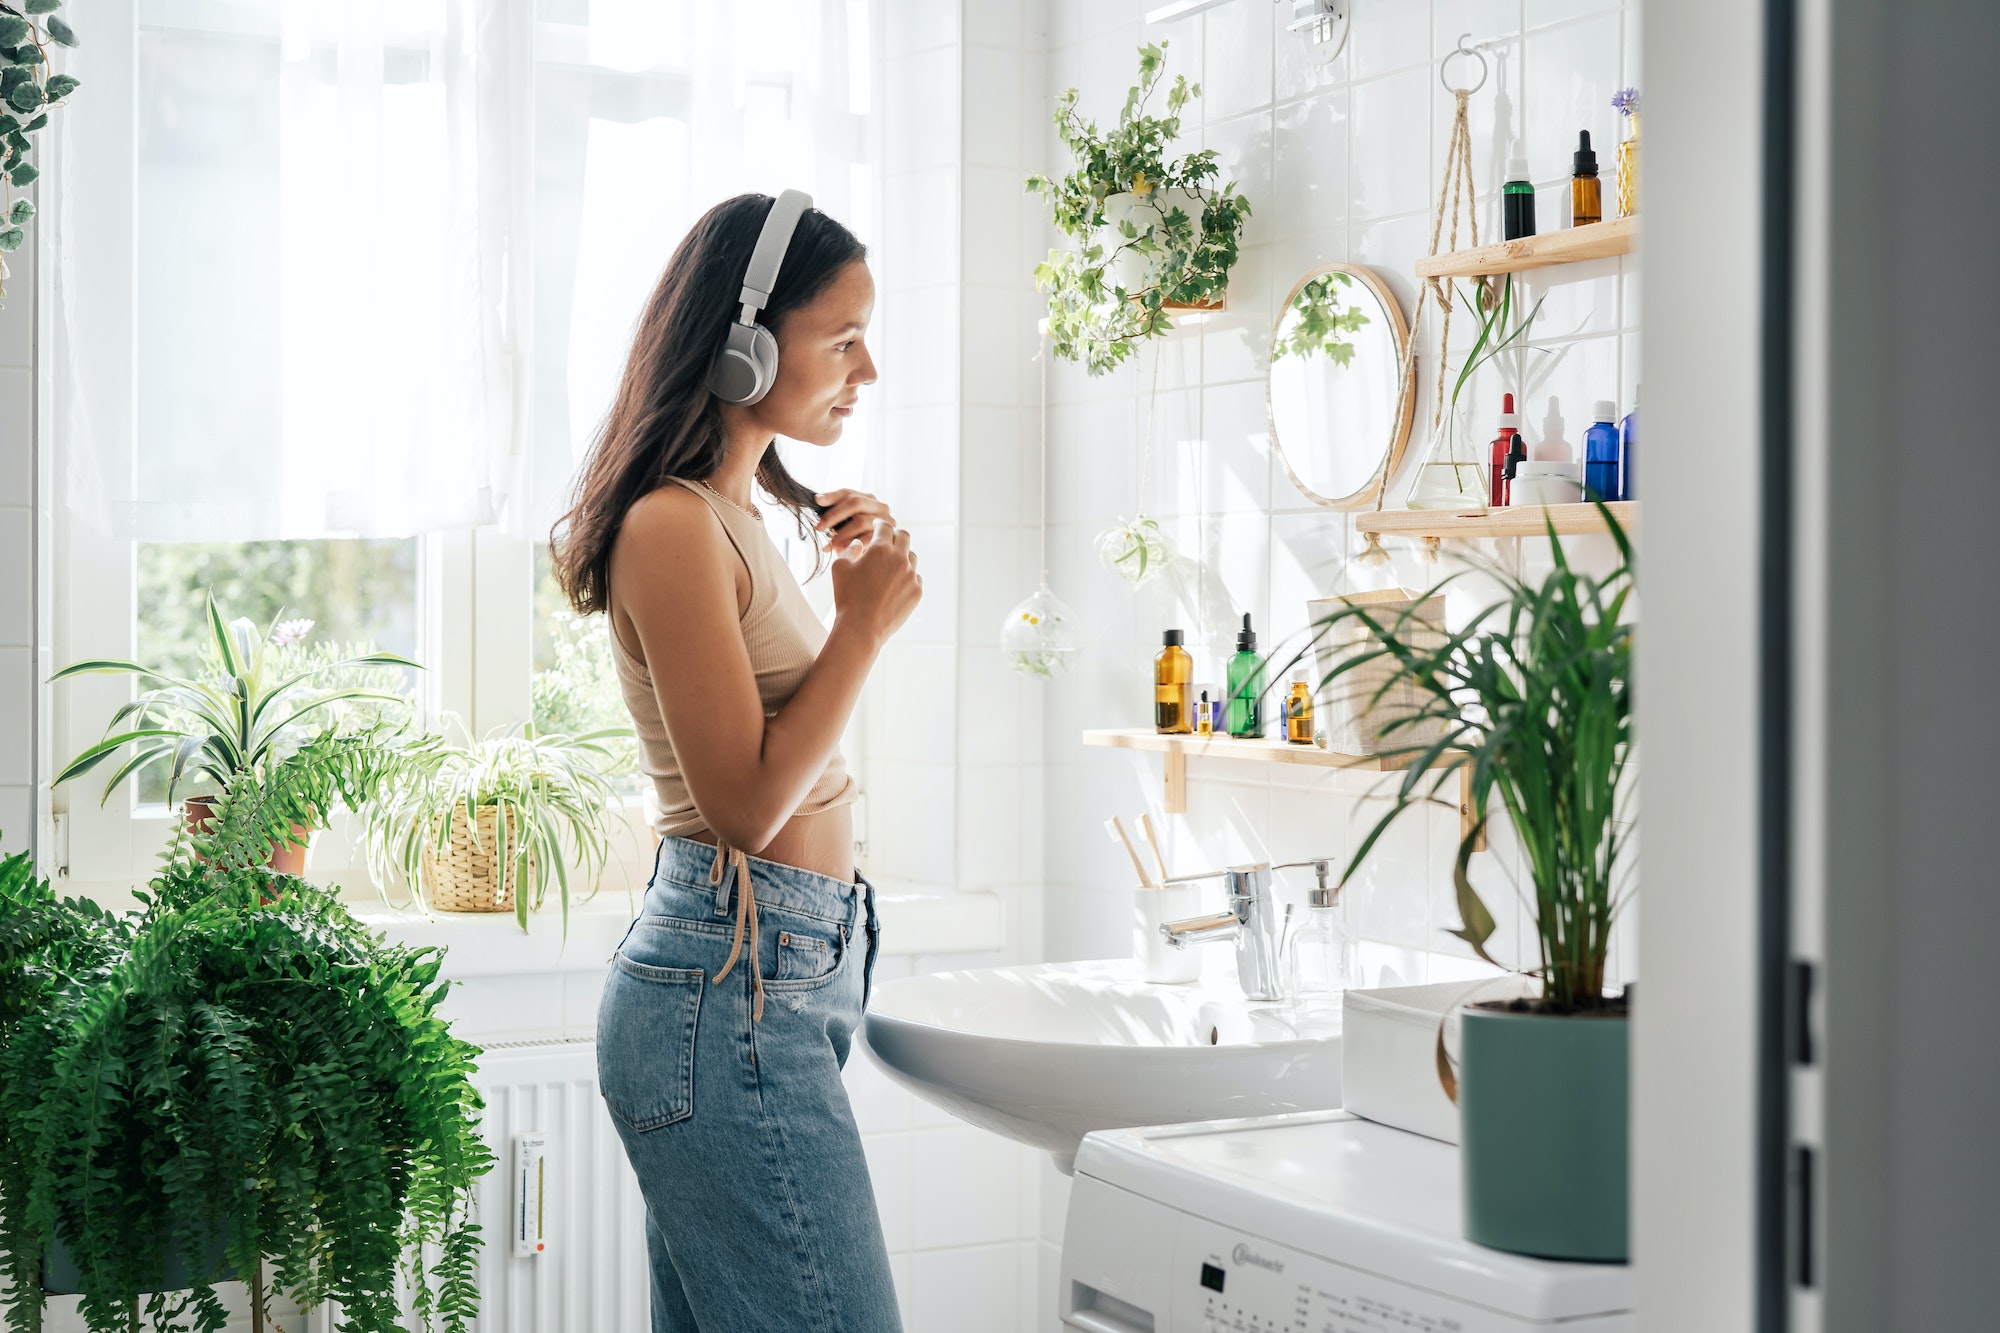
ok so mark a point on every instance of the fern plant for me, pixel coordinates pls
(237, 1060)
(1092, 318)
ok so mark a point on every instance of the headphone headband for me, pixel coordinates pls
(760, 276)
(746, 365)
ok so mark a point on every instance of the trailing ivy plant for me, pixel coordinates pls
(29, 88)
(1091, 318)
(236, 1073)
(1321, 321)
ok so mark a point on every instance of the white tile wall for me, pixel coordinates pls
(1341, 160)
(18, 563)
(952, 739)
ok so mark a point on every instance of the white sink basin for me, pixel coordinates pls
(1048, 1052)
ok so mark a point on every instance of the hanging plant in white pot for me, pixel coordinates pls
(1151, 232)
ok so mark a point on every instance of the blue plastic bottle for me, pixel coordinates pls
(1628, 451)
(1600, 454)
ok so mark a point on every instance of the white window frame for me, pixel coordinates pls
(475, 587)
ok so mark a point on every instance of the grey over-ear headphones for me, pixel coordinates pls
(747, 364)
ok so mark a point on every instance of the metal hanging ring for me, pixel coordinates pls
(1470, 53)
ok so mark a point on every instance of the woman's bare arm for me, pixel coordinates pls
(673, 571)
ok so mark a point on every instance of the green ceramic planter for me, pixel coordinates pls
(61, 1278)
(1542, 1125)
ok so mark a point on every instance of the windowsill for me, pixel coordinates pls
(490, 944)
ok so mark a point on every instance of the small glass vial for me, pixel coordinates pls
(1323, 950)
(1204, 717)
(1299, 714)
(1172, 670)
(1586, 192)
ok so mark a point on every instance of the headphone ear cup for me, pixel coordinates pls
(746, 366)
(764, 352)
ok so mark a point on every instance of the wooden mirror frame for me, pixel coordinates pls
(1399, 432)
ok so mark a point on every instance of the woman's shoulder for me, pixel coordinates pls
(672, 513)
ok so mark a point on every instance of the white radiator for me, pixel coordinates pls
(591, 1274)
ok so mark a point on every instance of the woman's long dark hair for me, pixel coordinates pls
(664, 422)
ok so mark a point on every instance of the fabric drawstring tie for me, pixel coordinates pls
(746, 907)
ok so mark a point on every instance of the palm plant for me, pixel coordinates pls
(255, 703)
(1534, 695)
(549, 794)
(238, 1078)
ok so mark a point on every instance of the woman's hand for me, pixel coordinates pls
(847, 517)
(875, 581)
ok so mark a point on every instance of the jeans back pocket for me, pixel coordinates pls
(645, 1042)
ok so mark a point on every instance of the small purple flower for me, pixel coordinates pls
(1626, 100)
(289, 632)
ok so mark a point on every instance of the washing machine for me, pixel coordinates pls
(1313, 1222)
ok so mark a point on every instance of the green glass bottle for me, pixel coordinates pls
(1246, 685)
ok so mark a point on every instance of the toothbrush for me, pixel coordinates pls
(1116, 828)
(1153, 839)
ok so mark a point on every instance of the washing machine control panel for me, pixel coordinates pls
(1228, 1282)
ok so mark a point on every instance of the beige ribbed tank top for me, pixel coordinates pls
(783, 637)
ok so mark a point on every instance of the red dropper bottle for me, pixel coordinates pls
(1496, 480)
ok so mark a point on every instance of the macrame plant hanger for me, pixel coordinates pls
(1040, 635)
(1457, 195)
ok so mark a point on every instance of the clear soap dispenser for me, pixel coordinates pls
(1323, 948)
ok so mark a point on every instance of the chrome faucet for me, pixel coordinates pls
(1251, 920)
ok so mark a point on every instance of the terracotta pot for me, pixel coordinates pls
(286, 860)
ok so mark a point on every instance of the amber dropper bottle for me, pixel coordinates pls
(1586, 196)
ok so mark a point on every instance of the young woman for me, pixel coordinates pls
(731, 1003)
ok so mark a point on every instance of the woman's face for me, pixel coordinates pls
(822, 361)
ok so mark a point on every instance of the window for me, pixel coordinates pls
(357, 593)
(352, 308)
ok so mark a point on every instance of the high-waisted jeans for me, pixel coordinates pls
(723, 1079)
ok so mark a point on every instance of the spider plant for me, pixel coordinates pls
(1534, 694)
(257, 701)
(550, 793)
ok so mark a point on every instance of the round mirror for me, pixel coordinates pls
(1332, 390)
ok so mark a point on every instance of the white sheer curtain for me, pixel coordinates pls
(395, 221)
(390, 252)
(326, 211)
(647, 113)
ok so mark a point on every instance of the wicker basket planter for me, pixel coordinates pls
(474, 877)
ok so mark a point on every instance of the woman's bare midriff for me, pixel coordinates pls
(822, 843)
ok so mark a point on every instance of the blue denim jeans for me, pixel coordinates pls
(759, 1211)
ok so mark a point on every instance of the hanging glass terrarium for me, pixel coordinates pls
(1041, 636)
(1451, 475)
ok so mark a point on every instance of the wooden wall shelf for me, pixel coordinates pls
(1260, 750)
(1598, 240)
(1525, 521)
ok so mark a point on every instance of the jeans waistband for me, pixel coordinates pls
(686, 862)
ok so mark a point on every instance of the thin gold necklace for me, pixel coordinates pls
(751, 510)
